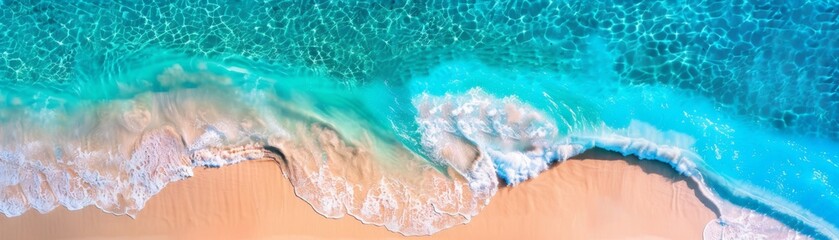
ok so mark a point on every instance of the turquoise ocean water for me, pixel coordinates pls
(744, 94)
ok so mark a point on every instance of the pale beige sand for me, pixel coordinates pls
(578, 199)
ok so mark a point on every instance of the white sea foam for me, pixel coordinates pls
(115, 154)
(514, 136)
(522, 146)
(122, 152)
(639, 139)
(522, 141)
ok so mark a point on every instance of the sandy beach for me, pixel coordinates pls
(599, 195)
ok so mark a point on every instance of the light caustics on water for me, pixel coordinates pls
(409, 115)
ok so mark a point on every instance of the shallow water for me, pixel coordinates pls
(403, 114)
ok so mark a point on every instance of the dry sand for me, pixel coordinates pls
(578, 199)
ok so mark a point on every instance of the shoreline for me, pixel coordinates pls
(191, 101)
(253, 200)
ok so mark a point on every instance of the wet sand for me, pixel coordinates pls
(609, 198)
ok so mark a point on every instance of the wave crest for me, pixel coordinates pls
(117, 153)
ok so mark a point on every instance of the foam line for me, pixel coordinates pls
(337, 150)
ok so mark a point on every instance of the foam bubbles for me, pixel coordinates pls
(158, 159)
(522, 141)
(121, 152)
(505, 130)
(14, 202)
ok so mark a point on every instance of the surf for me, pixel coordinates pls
(367, 106)
(464, 139)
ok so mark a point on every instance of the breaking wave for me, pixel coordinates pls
(415, 158)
